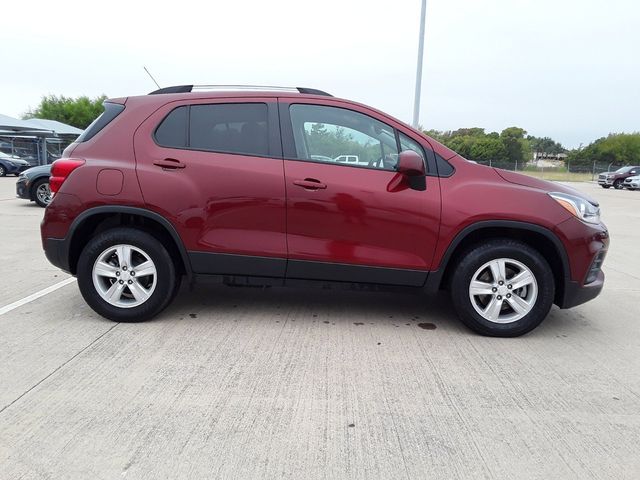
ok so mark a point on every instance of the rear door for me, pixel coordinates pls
(214, 169)
(348, 221)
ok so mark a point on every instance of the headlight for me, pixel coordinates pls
(577, 206)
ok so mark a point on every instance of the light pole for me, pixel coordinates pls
(416, 100)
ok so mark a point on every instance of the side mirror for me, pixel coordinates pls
(410, 164)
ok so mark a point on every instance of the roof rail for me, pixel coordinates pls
(191, 88)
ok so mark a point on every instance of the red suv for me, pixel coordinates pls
(251, 186)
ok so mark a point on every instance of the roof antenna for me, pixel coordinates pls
(154, 80)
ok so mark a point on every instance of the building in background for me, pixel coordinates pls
(35, 140)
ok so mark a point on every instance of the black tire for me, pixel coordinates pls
(477, 256)
(606, 186)
(167, 279)
(35, 196)
(3, 171)
(618, 184)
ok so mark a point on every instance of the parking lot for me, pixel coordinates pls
(286, 383)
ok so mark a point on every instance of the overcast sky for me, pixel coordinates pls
(568, 69)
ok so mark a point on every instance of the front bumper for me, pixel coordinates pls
(605, 181)
(22, 189)
(633, 185)
(576, 294)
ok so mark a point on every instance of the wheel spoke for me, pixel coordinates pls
(145, 268)
(124, 255)
(519, 304)
(480, 288)
(138, 291)
(498, 270)
(522, 279)
(104, 269)
(115, 292)
(492, 311)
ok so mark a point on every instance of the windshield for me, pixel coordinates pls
(623, 170)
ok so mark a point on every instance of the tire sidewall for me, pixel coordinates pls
(474, 259)
(165, 272)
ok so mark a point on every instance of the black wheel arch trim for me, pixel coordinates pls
(435, 277)
(64, 245)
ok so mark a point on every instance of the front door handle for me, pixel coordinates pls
(310, 184)
(169, 164)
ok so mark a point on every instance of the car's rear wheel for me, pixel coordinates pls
(617, 184)
(502, 288)
(126, 275)
(42, 192)
(3, 171)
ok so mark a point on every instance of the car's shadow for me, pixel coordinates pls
(339, 306)
(219, 302)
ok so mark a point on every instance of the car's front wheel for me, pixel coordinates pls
(126, 275)
(502, 288)
(3, 171)
(617, 184)
(42, 192)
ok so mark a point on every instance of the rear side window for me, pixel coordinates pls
(240, 128)
(231, 128)
(111, 111)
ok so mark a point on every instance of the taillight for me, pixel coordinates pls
(61, 169)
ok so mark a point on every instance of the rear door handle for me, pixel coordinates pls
(310, 184)
(169, 164)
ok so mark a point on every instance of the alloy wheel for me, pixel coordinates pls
(124, 276)
(503, 290)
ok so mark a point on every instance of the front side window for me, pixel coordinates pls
(240, 128)
(343, 137)
(407, 143)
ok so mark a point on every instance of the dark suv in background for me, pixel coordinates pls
(616, 179)
(247, 186)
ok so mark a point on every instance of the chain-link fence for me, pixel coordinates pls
(562, 172)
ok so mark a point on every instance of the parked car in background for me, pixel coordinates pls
(12, 165)
(616, 179)
(632, 183)
(225, 184)
(33, 184)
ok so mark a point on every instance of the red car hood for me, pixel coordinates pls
(532, 182)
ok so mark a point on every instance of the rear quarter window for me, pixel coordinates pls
(111, 111)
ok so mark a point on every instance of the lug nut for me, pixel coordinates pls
(494, 289)
(500, 282)
(508, 295)
(124, 267)
(120, 282)
(499, 297)
(509, 286)
(129, 282)
(117, 274)
(132, 273)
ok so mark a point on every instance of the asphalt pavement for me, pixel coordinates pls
(251, 383)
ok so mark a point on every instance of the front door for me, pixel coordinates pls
(348, 216)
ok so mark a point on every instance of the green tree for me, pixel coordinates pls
(79, 112)
(488, 150)
(617, 148)
(545, 145)
(516, 144)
